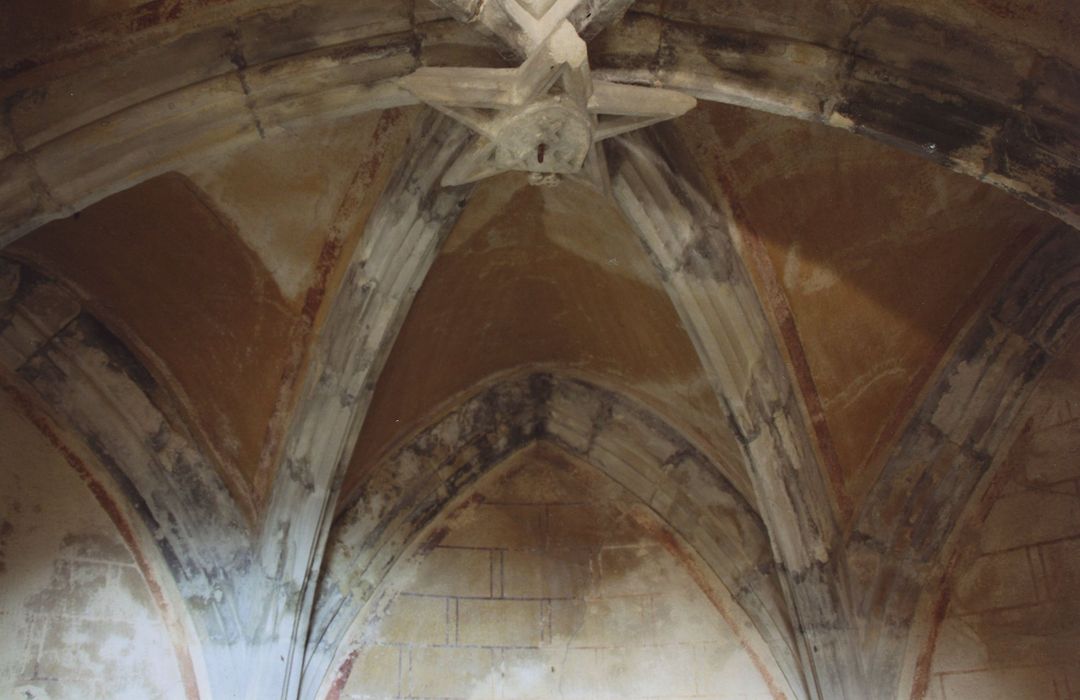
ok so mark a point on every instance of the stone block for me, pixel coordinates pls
(87, 591)
(726, 669)
(74, 647)
(145, 140)
(68, 689)
(959, 647)
(934, 690)
(20, 199)
(451, 672)
(971, 60)
(1050, 454)
(1042, 634)
(611, 622)
(296, 94)
(272, 35)
(556, 573)
(1005, 684)
(104, 547)
(131, 580)
(7, 144)
(499, 623)
(105, 89)
(621, 44)
(649, 671)
(417, 620)
(19, 340)
(1061, 562)
(632, 570)
(588, 526)
(451, 43)
(499, 527)
(532, 674)
(375, 674)
(46, 309)
(582, 676)
(686, 616)
(1072, 680)
(448, 571)
(995, 581)
(572, 414)
(567, 618)
(1031, 518)
(627, 438)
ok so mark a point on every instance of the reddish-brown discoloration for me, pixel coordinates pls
(176, 631)
(326, 271)
(776, 301)
(922, 667)
(342, 677)
(672, 544)
(299, 340)
(371, 165)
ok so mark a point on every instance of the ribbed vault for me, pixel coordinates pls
(232, 274)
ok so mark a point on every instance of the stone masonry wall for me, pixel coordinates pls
(1012, 630)
(545, 585)
(77, 620)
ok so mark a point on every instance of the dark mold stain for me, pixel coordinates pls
(912, 120)
(739, 44)
(300, 473)
(1066, 185)
(6, 531)
(897, 27)
(94, 334)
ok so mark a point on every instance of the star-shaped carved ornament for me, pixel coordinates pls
(544, 117)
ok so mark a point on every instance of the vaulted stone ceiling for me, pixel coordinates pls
(853, 257)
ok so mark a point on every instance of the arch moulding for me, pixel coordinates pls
(993, 109)
(394, 509)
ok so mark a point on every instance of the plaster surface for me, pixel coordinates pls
(77, 617)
